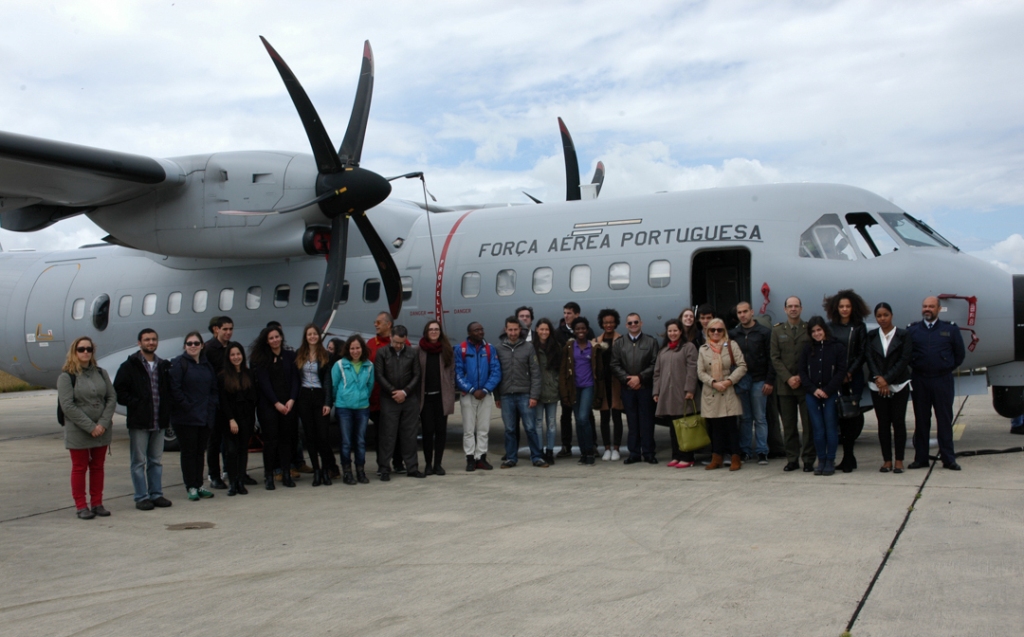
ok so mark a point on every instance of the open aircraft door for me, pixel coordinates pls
(45, 314)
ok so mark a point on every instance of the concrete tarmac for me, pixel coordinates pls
(567, 550)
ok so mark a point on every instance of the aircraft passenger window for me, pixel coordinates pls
(579, 278)
(344, 293)
(872, 239)
(227, 299)
(78, 309)
(371, 290)
(826, 239)
(471, 285)
(124, 306)
(913, 232)
(506, 283)
(101, 312)
(174, 303)
(253, 296)
(543, 280)
(618, 276)
(149, 305)
(281, 295)
(199, 301)
(406, 288)
(659, 273)
(311, 294)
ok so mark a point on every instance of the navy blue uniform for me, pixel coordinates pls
(938, 350)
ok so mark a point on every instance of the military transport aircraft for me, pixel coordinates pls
(244, 234)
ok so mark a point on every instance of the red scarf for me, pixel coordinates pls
(430, 348)
(673, 344)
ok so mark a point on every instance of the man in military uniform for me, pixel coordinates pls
(788, 340)
(938, 350)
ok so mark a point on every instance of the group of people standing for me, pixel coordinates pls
(737, 379)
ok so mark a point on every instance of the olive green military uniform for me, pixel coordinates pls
(787, 343)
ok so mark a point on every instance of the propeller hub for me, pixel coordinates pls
(360, 190)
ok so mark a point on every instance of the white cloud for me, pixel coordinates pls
(1008, 254)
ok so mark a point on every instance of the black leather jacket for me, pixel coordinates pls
(756, 344)
(853, 337)
(398, 370)
(635, 359)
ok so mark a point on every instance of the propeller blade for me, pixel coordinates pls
(535, 200)
(598, 176)
(334, 278)
(572, 166)
(327, 160)
(352, 145)
(385, 264)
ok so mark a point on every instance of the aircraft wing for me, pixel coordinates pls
(43, 181)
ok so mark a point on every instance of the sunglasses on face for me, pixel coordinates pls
(82, 349)
(632, 322)
(715, 330)
(193, 343)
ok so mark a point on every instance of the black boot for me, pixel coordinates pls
(361, 476)
(347, 477)
(268, 479)
(317, 481)
(240, 488)
(438, 469)
(286, 479)
(470, 463)
(325, 477)
(483, 464)
(232, 488)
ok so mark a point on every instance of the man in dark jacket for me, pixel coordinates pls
(518, 393)
(222, 328)
(397, 371)
(755, 340)
(141, 386)
(633, 359)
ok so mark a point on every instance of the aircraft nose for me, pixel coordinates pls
(1018, 317)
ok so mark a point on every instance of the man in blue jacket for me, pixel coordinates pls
(938, 350)
(477, 374)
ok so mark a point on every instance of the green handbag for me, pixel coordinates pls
(691, 431)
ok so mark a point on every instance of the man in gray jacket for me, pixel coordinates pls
(632, 363)
(518, 393)
(397, 370)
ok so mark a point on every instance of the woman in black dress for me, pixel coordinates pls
(278, 380)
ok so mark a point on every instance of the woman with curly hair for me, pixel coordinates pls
(846, 311)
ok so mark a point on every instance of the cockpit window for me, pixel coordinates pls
(826, 239)
(913, 232)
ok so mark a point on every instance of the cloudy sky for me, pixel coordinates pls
(920, 102)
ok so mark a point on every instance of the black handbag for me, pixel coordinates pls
(849, 406)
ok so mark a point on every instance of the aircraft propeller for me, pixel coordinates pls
(343, 189)
(573, 192)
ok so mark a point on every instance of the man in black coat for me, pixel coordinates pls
(397, 370)
(223, 328)
(141, 386)
(755, 340)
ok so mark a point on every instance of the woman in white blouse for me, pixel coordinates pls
(888, 357)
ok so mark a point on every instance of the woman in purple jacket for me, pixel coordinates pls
(822, 372)
(278, 381)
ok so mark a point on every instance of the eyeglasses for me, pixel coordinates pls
(715, 330)
(83, 349)
(434, 329)
(632, 322)
(193, 343)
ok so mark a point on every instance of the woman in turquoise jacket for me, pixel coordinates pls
(352, 380)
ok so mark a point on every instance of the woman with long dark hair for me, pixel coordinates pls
(193, 383)
(352, 380)
(690, 328)
(888, 352)
(238, 404)
(610, 406)
(822, 371)
(675, 383)
(87, 399)
(846, 311)
(313, 362)
(437, 394)
(278, 381)
(549, 358)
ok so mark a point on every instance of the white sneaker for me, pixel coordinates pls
(607, 455)
(615, 456)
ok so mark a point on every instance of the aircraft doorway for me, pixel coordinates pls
(721, 278)
(44, 317)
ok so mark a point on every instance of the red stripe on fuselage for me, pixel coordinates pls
(438, 308)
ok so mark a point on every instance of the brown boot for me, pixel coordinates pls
(735, 463)
(716, 462)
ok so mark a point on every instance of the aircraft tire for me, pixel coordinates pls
(171, 440)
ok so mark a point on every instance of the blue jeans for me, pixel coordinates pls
(145, 452)
(1017, 422)
(514, 407)
(824, 425)
(585, 419)
(754, 403)
(546, 417)
(353, 430)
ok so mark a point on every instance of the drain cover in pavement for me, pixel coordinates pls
(190, 526)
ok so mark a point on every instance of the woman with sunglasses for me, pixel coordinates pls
(313, 363)
(889, 351)
(675, 383)
(822, 371)
(278, 380)
(193, 383)
(437, 394)
(87, 399)
(238, 404)
(720, 366)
